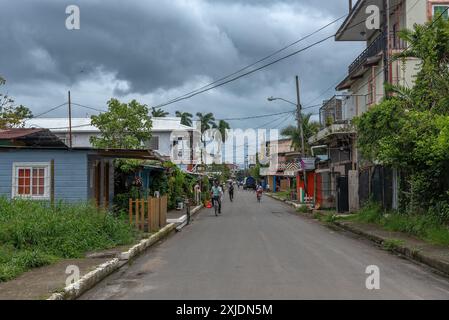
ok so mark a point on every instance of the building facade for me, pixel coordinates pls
(346, 180)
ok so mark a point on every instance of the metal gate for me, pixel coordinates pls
(342, 195)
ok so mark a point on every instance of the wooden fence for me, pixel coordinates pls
(148, 214)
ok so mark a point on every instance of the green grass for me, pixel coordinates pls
(303, 209)
(426, 227)
(392, 244)
(283, 195)
(33, 234)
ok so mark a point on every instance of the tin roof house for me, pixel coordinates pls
(35, 164)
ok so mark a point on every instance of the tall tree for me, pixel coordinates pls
(123, 126)
(11, 115)
(186, 118)
(223, 126)
(158, 113)
(310, 128)
(207, 121)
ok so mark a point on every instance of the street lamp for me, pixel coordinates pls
(271, 99)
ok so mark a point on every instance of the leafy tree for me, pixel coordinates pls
(186, 118)
(11, 115)
(430, 44)
(310, 128)
(123, 126)
(158, 113)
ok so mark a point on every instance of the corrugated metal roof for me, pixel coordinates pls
(17, 133)
(84, 125)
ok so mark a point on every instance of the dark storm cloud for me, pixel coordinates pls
(154, 49)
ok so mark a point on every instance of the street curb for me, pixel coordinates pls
(290, 203)
(409, 253)
(89, 280)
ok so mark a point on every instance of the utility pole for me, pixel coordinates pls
(299, 118)
(70, 122)
(301, 130)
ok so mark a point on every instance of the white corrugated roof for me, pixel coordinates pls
(83, 124)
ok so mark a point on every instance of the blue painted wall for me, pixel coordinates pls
(71, 172)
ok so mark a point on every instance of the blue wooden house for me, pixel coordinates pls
(35, 164)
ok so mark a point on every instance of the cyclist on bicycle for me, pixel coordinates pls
(259, 192)
(217, 193)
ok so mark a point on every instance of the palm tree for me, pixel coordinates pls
(186, 118)
(223, 126)
(207, 121)
(158, 113)
(310, 129)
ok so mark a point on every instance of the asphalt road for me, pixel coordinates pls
(265, 251)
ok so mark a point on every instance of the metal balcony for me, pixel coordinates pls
(378, 45)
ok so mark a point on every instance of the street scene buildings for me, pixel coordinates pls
(225, 151)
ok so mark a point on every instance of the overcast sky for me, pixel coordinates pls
(154, 50)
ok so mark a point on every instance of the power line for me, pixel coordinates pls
(197, 92)
(48, 111)
(257, 62)
(246, 73)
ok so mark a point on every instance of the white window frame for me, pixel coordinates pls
(31, 165)
(443, 4)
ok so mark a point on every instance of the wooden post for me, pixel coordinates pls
(149, 214)
(157, 203)
(153, 215)
(137, 214)
(130, 211)
(142, 212)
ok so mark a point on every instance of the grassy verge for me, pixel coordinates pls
(33, 234)
(426, 227)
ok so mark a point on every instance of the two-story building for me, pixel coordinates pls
(169, 136)
(350, 179)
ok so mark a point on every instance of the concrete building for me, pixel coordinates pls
(169, 134)
(349, 179)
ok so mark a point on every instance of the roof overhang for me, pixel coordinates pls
(354, 28)
(106, 153)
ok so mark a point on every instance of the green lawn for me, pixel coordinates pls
(33, 234)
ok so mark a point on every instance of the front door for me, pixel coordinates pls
(342, 195)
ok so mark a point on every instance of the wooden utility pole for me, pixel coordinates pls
(301, 130)
(299, 117)
(70, 121)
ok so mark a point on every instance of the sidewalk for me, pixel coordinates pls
(415, 249)
(41, 283)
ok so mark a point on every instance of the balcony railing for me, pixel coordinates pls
(374, 48)
(338, 110)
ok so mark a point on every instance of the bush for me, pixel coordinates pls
(33, 234)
